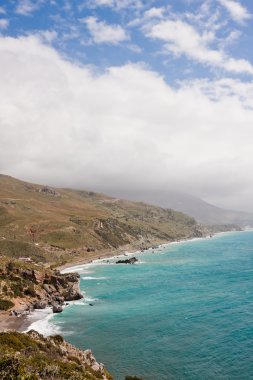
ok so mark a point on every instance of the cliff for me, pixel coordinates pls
(27, 286)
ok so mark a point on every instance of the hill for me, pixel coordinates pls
(33, 357)
(59, 225)
(199, 209)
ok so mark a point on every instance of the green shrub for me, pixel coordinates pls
(57, 338)
(30, 291)
(6, 304)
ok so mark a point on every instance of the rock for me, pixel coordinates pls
(132, 260)
(72, 294)
(57, 308)
(40, 305)
(32, 275)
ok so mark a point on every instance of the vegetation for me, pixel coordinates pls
(34, 357)
(5, 304)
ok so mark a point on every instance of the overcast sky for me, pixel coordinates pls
(129, 94)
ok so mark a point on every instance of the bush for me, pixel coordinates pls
(30, 291)
(57, 338)
(6, 304)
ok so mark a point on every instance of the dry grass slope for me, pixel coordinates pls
(59, 225)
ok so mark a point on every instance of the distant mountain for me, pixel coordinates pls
(56, 225)
(202, 211)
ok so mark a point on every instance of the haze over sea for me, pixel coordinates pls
(185, 312)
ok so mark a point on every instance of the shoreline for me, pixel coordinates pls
(42, 318)
(23, 323)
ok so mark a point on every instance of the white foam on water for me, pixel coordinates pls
(88, 299)
(79, 268)
(94, 278)
(40, 321)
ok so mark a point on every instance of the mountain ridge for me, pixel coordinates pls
(202, 211)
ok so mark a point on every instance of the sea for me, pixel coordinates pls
(183, 312)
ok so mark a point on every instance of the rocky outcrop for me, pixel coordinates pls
(58, 288)
(32, 356)
(38, 288)
(132, 260)
(40, 304)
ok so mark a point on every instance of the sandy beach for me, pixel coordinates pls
(8, 322)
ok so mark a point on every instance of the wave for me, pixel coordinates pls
(40, 321)
(94, 278)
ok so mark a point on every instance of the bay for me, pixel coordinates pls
(184, 312)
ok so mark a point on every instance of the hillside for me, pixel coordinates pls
(199, 209)
(59, 225)
(33, 357)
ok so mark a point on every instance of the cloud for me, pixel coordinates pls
(4, 23)
(148, 16)
(62, 124)
(154, 12)
(102, 32)
(180, 37)
(116, 4)
(27, 7)
(47, 35)
(2, 10)
(238, 12)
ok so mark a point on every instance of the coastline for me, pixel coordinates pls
(40, 320)
(37, 318)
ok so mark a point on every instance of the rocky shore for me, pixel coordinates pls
(24, 289)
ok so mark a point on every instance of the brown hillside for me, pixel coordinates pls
(56, 225)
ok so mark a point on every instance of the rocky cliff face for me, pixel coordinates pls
(37, 288)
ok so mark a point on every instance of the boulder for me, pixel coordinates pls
(57, 308)
(132, 260)
(40, 305)
(72, 294)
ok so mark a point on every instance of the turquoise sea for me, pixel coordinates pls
(184, 312)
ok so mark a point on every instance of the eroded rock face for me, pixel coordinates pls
(56, 289)
(42, 288)
(32, 275)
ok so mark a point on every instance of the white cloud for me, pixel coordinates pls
(154, 12)
(180, 37)
(27, 7)
(102, 32)
(48, 35)
(238, 12)
(2, 10)
(4, 23)
(62, 124)
(116, 4)
(148, 16)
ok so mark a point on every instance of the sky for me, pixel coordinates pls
(118, 95)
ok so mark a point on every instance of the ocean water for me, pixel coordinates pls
(184, 312)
